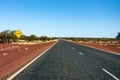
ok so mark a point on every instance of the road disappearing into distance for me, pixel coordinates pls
(70, 61)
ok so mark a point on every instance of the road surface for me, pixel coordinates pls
(69, 61)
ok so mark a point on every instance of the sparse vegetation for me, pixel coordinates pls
(91, 39)
(8, 36)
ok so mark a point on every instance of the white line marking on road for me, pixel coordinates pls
(19, 71)
(73, 48)
(80, 53)
(110, 74)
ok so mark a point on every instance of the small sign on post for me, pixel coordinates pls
(18, 33)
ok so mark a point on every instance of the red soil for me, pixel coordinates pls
(14, 56)
(5, 45)
(112, 48)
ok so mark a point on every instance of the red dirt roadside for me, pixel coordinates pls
(115, 49)
(14, 56)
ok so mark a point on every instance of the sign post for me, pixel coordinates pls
(18, 33)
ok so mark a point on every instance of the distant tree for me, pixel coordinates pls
(43, 38)
(12, 35)
(24, 37)
(5, 36)
(32, 37)
(118, 36)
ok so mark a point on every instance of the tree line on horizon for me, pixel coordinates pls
(8, 36)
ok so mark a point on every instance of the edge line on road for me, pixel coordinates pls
(110, 74)
(24, 67)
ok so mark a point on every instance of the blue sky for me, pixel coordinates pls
(62, 18)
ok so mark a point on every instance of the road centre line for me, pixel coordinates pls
(80, 53)
(110, 74)
(73, 48)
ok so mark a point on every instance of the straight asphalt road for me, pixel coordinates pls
(69, 61)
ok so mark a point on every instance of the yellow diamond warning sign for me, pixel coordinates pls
(18, 33)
